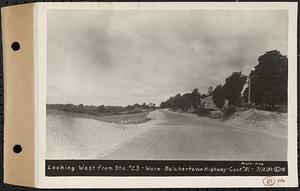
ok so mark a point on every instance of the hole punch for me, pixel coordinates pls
(17, 148)
(15, 46)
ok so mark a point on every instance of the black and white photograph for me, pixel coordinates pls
(167, 85)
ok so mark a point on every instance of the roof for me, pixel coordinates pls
(207, 99)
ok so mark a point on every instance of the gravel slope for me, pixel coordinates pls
(73, 137)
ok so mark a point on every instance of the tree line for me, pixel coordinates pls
(268, 87)
(184, 102)
(101, 109)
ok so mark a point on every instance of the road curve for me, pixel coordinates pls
(180, 136)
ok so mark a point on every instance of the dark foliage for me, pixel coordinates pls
(231, 90)
(184, 102)
(218, 96)
(233, 87)
(269, 79)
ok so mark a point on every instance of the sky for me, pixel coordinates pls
(123, 57)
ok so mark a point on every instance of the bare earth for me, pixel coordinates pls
(186, 136)
(167, 136)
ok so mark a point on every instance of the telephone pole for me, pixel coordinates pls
(249, 85)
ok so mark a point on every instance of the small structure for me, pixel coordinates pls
(226, 104)
(208, 103)
(216, 114)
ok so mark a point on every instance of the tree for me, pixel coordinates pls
(195, 98)
(144, 106)
(231, 90)
(210, 90)
(218, 96)
(176, 102)
(269, 80)
(187, 101)
(136, 105)
(233, 87)
(166, 104)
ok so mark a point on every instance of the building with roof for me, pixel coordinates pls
(208, 103)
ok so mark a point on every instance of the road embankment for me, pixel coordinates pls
(77, 137)
(273, 123)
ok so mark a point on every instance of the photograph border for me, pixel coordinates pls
(159, 182)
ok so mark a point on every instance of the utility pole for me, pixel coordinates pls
(249, 85)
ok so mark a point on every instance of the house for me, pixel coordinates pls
(208, 103)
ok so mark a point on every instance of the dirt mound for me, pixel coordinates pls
(260, 119)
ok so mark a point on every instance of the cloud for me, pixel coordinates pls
(124, 57)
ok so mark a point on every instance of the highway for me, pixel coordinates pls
(181, 136)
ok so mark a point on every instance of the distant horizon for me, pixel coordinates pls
(131, 57)
(100, 104)
(157, 104)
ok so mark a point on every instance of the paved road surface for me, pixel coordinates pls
(185, 136)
